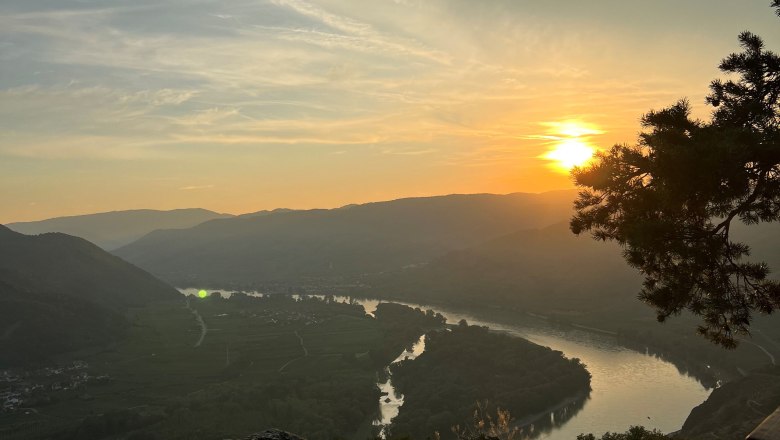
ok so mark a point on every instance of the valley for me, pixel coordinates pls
(290, 353)
(389, 220)
(263, 360)
(159, 375)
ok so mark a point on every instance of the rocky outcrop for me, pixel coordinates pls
(736, 408)
(274, 434)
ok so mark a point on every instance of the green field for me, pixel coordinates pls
(306, 366)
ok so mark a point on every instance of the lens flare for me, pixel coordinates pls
(203, 294)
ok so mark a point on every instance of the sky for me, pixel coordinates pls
(239, 105)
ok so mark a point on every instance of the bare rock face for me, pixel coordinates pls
(274, 434)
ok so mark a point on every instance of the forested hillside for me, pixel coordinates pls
(59, 293)
(349, 242)
(111, 230)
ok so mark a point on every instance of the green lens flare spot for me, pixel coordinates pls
(203, 294)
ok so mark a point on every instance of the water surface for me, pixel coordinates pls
(628, 387)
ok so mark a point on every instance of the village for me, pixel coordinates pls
(25, 390)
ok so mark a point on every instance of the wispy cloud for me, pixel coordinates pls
(195, 187)
(356, 35)
(408, 152)
(251, 89)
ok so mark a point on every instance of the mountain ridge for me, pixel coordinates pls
(291, 246)
(113, 229)
(61, 293)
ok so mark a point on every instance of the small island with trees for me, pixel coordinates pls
(465, 364)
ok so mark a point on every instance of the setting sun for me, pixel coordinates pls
(570, 153)
(569, 144)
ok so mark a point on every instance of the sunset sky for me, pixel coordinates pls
(242, 105)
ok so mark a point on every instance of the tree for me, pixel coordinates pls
(634, 433)
(670, 200)
(484, 427)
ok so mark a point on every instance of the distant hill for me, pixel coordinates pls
(111, 230)
(545, 270)
(61, 293)
(265, 212)
(580, 281)
(295, 246)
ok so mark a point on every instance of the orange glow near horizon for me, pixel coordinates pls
(304, 104)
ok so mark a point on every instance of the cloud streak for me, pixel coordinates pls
(195, 187)
(288, 94)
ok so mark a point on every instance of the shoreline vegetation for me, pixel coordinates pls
(441, 385)
(638, 330)
(714, 373)
(160, 383)
(542, 422)
(671, 342)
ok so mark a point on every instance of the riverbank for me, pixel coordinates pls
(469, 364)
(676, 342)
(545, 420)
(628, 385)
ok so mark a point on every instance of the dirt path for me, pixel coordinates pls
(305, 353)
(203, 328)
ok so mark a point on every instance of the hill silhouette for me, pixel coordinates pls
(352, 241)
(60, 293)
(736, 408)
(551, 271)
(580, 281)
(546, 270)
(111, 230)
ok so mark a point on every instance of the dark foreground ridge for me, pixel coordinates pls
(274, 434)
(769, 429)
(60, 293)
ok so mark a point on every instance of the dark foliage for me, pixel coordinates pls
(670, 200)
(37, 326)
(634, 433)
(402, 326)
(60, 293)
(461, 366)
(110, 423)
(61, 264)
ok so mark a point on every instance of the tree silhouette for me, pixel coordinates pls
(671, 199)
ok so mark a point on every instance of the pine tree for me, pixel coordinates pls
(671, 199)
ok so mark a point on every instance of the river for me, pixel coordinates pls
(628, 387)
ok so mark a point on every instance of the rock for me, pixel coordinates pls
(274, 434)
